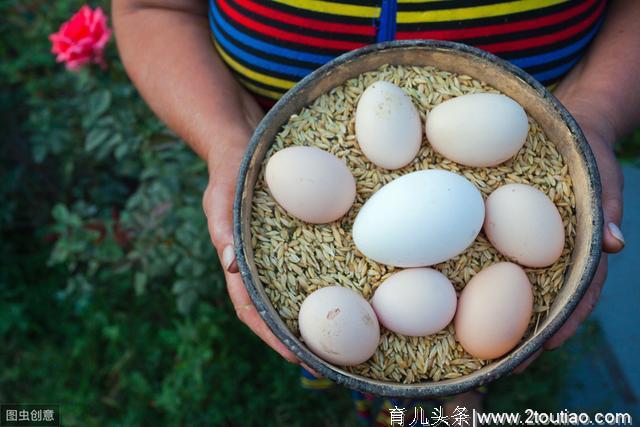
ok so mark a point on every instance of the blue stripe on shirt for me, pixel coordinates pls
(257, 61)
(387, 23)
(216, 20)
(556, 72)
(217, 24)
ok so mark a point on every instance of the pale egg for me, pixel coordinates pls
(482, 129)
(494, 310)
(523, 224)
(415, 302)
(420, 219)
(310, 184)
(339, 326)
(387, 124)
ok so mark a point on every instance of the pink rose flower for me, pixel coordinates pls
(82, 39)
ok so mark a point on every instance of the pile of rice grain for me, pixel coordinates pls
(295, 258)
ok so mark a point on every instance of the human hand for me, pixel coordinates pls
(224, 160)
(601, 136)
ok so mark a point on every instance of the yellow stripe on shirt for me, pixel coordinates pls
(474, 12)
(262, 78)
(334, 8)
(459, 14)
(260, 90)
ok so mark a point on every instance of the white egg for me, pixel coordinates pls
(482, 129)
(415, 302)
(339, 326)
(388, 127)
(310, 184)
(523, 224)
(420, 219)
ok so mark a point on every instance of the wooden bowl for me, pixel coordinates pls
(557, 123)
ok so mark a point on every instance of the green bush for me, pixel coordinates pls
(112, 303)
(112, 300)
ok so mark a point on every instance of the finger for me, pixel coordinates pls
(612, 182)
(582, 311)
(613, 241)
(228, 258)
(248, 314)
(521, 367)
(219, 224)
(217, 204)
(222, 238)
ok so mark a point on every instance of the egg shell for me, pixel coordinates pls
(523, 224)
(339, 326)
(494, 310)
(415, 302)
(482, 129)
(310, 184)
(420, 219)
(388, 126)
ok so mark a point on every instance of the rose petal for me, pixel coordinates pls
(82, 38)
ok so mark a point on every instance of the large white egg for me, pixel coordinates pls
(310, 184)
(387, 125)
(415, 302)
(339, 326)
(482, 129)
(420, 219)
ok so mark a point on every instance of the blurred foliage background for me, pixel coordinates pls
(112, 303)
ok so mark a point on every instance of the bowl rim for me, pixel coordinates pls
(444, 387)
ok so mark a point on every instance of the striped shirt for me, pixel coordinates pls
(271, 44)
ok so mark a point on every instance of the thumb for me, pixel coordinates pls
(613, 238)
(218, 207)
(612, 182)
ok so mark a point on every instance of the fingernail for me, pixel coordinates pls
(616, 232)
(228, 256)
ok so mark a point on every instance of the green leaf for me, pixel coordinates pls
(39, 152)
(60, 213)
(99, 102)
(181, 286)
(186, 234)
(107, 147)
(186, 300)
(111, 332)
(139, 282)
(59, 254)
(95, 138)
(188, 267)
(121, 150)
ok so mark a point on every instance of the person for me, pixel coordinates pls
(209, 70)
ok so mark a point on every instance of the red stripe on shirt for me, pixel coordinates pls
(284, 35)
(491, 30)
(365, 30)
